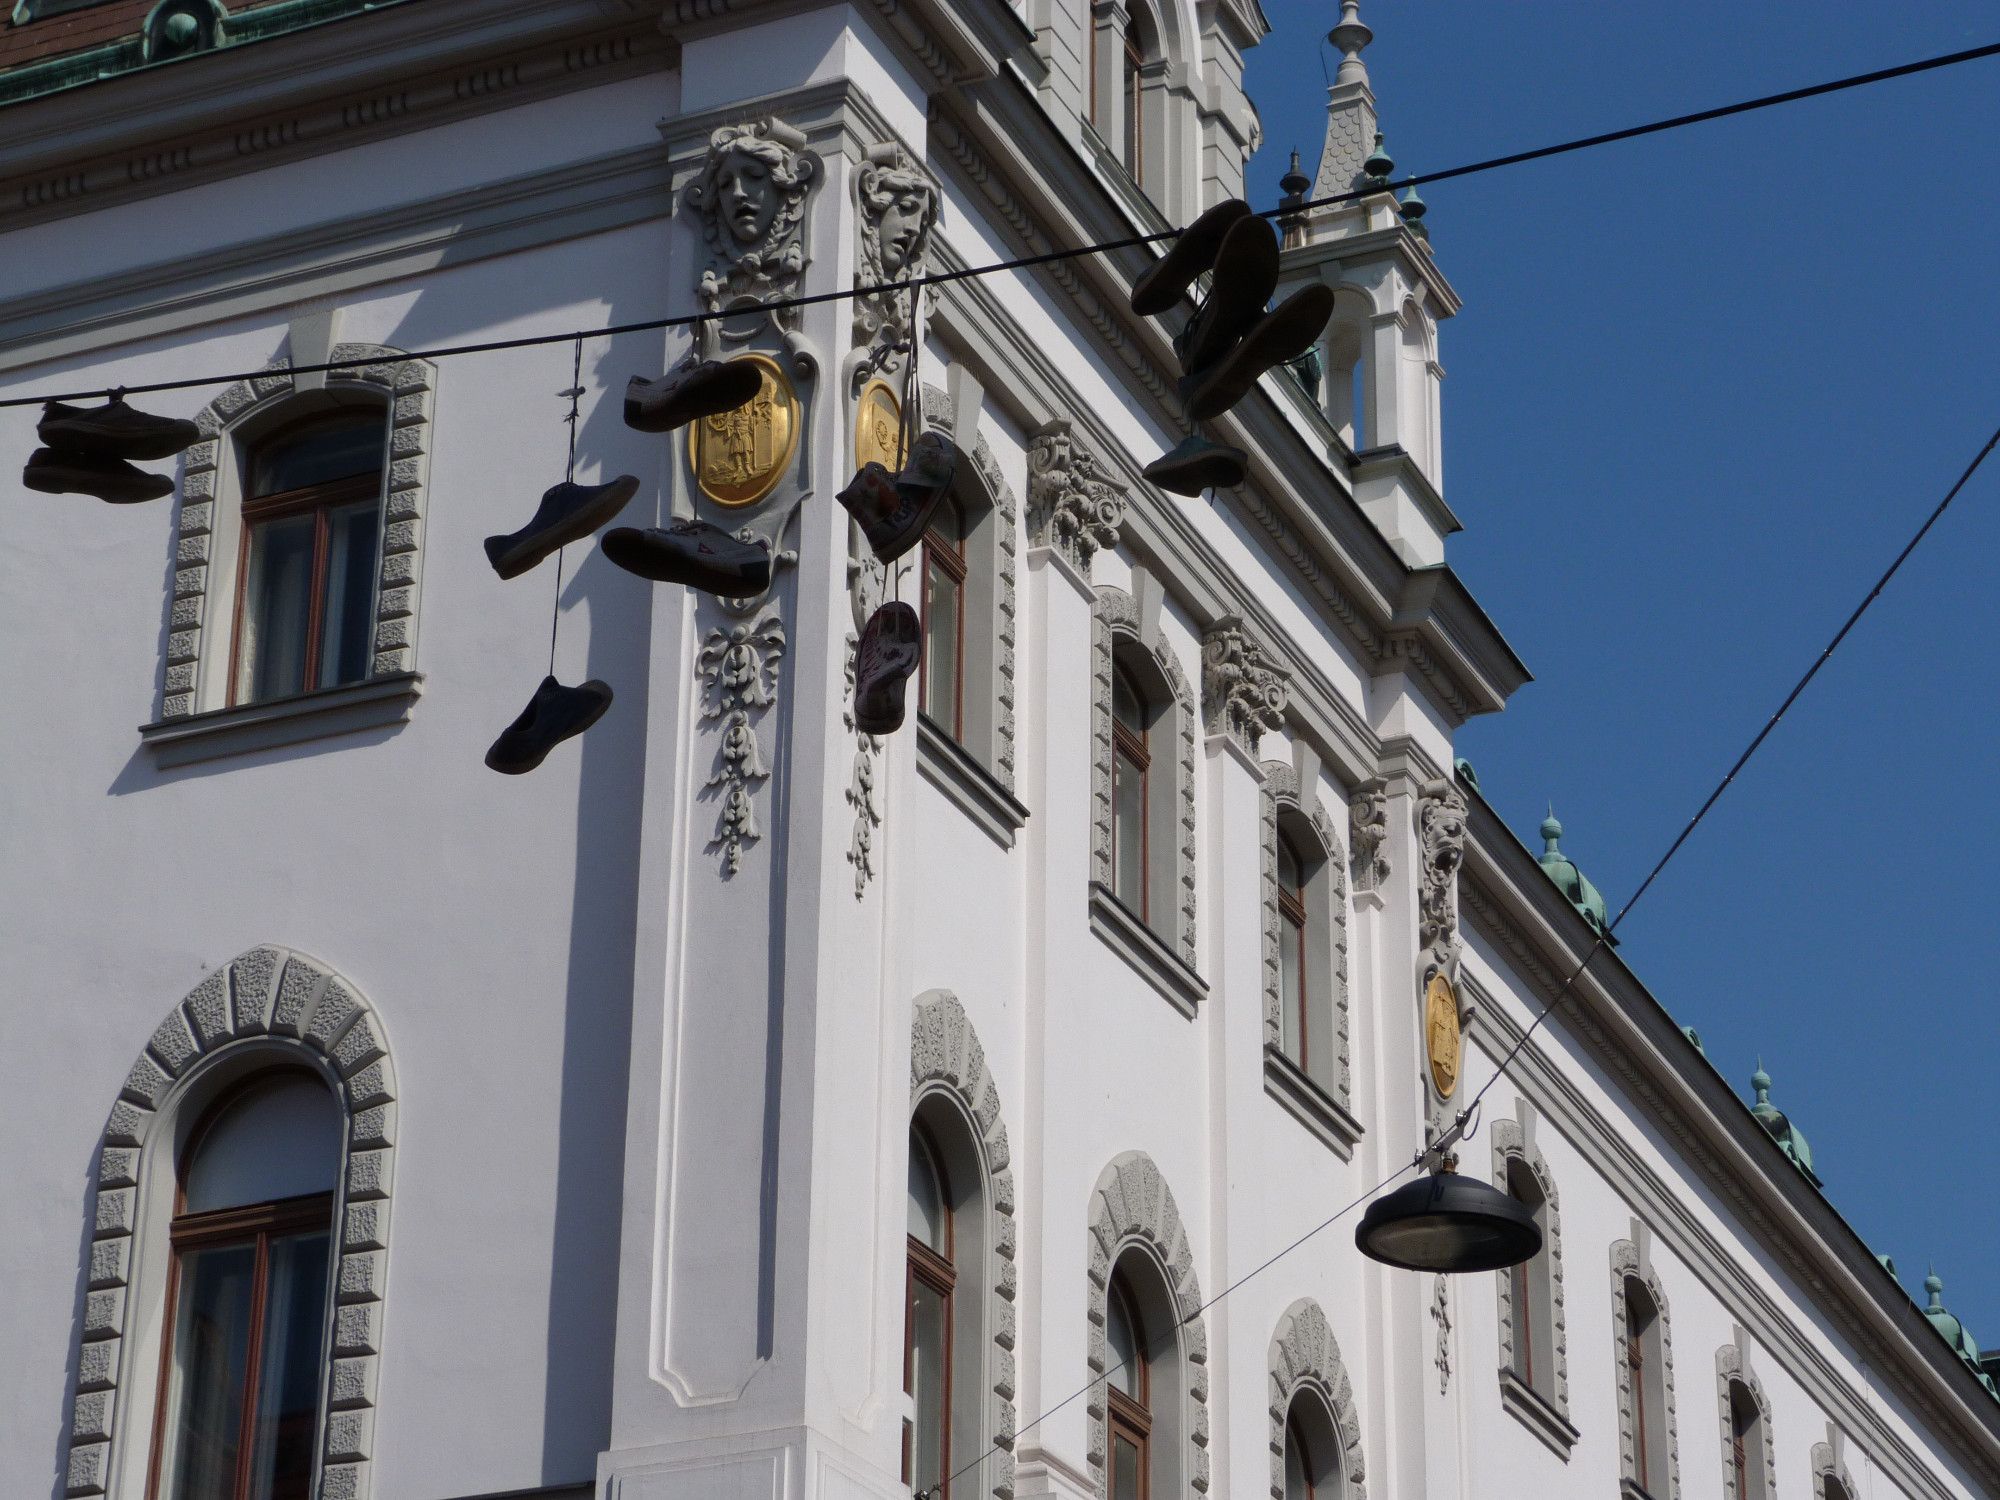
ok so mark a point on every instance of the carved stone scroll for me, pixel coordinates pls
(1243, 689)
(1073, 504)
(1441, 815)
(1368, 837)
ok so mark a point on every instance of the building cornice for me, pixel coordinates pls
(1616, 1022)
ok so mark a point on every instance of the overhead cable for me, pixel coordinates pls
(1051, 257)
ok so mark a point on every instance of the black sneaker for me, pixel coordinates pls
(114, 430)
(569, 513)
(554, 714)
(1194, 252)
(682, 396)
(1196, 464)
(1282, 334)
(694, 553)
(109, 479)
(891, 646)
(1246, 273)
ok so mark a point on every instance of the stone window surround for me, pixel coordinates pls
(1323, 1099)
(1162, 952)
(269, 1006)
(978, 775)
(1829, 1462)
(1632, 1258)
(947, 1065)
(1545, 1414)
(195, 720)
(1732, 1367)
(1305, 1360)
(1132, 1208)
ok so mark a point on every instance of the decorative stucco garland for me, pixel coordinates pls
(1305, 1356)
(1281, 789)
(1132, 1205)
(267, 994)
(408, 385)
(946, 1058)
(1114, 614)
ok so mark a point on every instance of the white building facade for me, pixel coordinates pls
(741, 1105)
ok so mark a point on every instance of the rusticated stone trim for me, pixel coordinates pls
(946, 1058)
(1132, 1205)
(1732, 1367)
(1115, 614)
(1305, 1356)
(1281, 790)
(269, 997)
(200, 630)
(1829, 1463)
(1626, 1261)
(1513, 1142)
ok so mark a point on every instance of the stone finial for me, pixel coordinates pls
(1074, 506)
(1350, 111)
(1242, 685)
(1351, 36)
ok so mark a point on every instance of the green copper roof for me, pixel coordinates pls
(1954, 1332)
(1571, 881)
(1789, 1137)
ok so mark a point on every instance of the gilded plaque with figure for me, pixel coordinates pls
(1441, 1034)
(738, 456)
(878, 424)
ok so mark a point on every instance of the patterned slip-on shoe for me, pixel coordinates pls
(895, 511)
(1196, 464)
(682, 396)
(1167, 281)
(1282, 334)
(114, 430)
(554, 714)
(568, 513)
(891, 645)
(109, 479)
(693, 553)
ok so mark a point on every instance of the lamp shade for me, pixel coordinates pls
(1448, 1223)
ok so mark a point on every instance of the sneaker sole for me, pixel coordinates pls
(90, 485)
(530, 553)
(1221, 471)
(1281, 335)
(679, 411)
(1246, 273)
(1194, 252)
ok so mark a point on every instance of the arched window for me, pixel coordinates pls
(1312, 1451)
(1746, 1443)
(312, 535)
(941, 693)
(1646, 1372)
(927, 1343)
(1131, 764)
(252, 1240)
(1533, 1328)
(1293, 927)
(1128, 1396)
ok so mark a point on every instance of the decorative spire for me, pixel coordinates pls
(1791, 1140)
(1294, 183)
(1551, 831)
(1379, 165)
(1936, 1288)
(1761, 1082)
(1350, 36)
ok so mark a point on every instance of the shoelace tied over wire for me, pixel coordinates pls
(1460, 1126)
(1051, 257)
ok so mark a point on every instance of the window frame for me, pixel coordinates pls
(949, 556)
(224, 1228)
(1292, 913)
(926, 1266)
(1132, 99)
(1130, 1417)
(1132, 745)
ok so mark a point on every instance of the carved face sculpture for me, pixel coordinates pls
(747, 199)
(903, 223)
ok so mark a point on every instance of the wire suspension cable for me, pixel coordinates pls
(942, 278)
(1500, 1070)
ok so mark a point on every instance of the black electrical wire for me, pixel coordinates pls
(1050, 257)
(1500, 1071)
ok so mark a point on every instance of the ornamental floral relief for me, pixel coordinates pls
(739, 673)
(1243, 690)
(1441, 815)
(1368, 838)
(1074, 505)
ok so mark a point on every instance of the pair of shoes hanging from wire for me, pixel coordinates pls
(1231, 340)
(87, 450)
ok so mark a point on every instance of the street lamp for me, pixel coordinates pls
(1448, 1223)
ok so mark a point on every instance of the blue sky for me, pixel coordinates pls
(1703, 388)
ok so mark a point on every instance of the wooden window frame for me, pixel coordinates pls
(950, 557)
(1635, 1359)
(1292, 911)
(319, 500)
(1132, 82)
(928, 1268)
(1131, 1416)
(1132, 746)
(220, 1228)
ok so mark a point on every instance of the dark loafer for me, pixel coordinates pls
(682, 396)
(109, 479)
(693, 553)
(1280, 335)
(114, 430)
(1246, 273)
(891, 646)
(556, 713)
(1194, 252)
(1196, 464)
(568, 513)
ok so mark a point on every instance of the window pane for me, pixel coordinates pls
(1288, 866)
(1298, 1472)
(1128, 857)
(280, 1139)
(211, 1348)
(927, 1204)
(1131, 103)
(1127, 707)
(353, 535)
(277, 603)
(941, 663)
(927, 1373)
(290, 1361)
(1121, 1343)
(338, 448)
(1124, 1468)
(1291, 988)
(949, 523)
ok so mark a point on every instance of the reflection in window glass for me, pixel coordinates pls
(318, 453)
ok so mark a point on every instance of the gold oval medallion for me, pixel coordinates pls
(738, 456)
(878, 424)
(1441, 1034)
